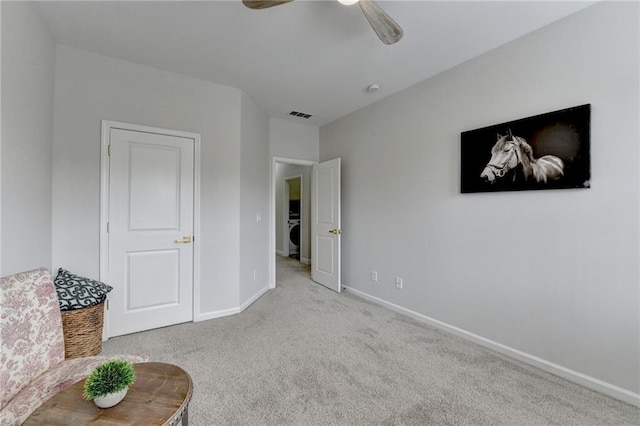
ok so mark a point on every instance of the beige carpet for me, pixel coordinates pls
(304, 355)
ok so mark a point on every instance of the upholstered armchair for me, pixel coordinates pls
(32, 358)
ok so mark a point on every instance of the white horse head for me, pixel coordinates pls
(505, 156)
(514, 153)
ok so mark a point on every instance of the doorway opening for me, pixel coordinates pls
(290, 235)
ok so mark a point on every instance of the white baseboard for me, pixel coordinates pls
(255, 297)
(226, 312)
(566, 373)
(280, 253)
(216, 314)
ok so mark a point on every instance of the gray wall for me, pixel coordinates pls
(89, 88)
(28, 56)
(254, 202)
(553, 274)
(293, 140)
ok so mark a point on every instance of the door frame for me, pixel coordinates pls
(107, 125)
(272, 209)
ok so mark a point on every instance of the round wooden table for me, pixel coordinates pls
(159, 396)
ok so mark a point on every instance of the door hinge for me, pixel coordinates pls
(107, 304)
(109, 150)
(107, 227)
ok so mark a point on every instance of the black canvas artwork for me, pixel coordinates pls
(547, 151)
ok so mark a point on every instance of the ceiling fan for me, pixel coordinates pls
(385, 27)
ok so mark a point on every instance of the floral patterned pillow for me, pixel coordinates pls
(76, 292)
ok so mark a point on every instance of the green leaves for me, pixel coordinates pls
(112, 376)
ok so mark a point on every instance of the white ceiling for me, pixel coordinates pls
(316, 57)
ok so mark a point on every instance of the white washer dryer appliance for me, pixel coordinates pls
(294, 237)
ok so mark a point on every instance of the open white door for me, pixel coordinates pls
(151, 228)
(325, 224)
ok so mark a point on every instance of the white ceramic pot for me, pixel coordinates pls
(110, 399)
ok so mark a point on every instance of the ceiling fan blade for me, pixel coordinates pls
(385, 27)
(263, 4)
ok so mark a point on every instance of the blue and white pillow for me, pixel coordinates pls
(76, 292)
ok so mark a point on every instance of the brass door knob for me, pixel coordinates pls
(336, 231)
(184, 240)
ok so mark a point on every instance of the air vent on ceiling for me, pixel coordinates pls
(300, 114)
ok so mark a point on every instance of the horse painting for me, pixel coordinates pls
(513, 156)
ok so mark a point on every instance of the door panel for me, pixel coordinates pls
(324, 247)
(325, 224)
(150, 211)
(157, 267)
(326, 186)
(154, 186)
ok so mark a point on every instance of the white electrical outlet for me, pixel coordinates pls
(374, 276)
(399, 283)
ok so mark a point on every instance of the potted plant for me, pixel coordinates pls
(108, 383)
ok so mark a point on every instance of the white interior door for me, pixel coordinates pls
(325, 224)
(150, 262)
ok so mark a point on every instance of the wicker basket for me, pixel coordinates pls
(82, 329)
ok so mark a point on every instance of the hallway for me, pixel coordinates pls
(289, 268)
